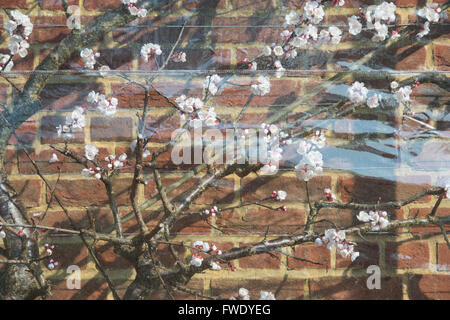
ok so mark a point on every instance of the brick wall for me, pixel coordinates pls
(415, 263)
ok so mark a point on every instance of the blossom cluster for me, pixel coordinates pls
(19, 29)
(336, 239)
(150, 49)
(113, 162)
(279, 195)
(312, 162)
(135, 11)
(261, 87)
(89, 58)
(402, 95)
(75, 122)
(432, 13)
(179, 57)
(49, 250)
(107, 107)
(378, 219)
(272, 137)
(213, 211)
(201, 246)
(378, 17)
(358, 94)
(192, 110)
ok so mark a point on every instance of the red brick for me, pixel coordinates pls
(408, 255)
(109, 259)
(56, 4)
(65, 164)
(28, 191)
(90, 192)
(9, 160)
(26, 133)
(443, 257)
(251, 5)
(204, 5)
(339, 218)
(222, 33)
(93, 289)
(191, 224)
(282, 92)
(132, 96)
(423, 212)
(68, 254)
(258, 219)
(311, 252)
(49, 34)
(111, 129)
(14, 4)
(68, 96)
(103, 219)
(442, 56)
(196, 285)
(101, 6)
(426, 287)
(161, 128)
(406, 3)
(254, 189)
(355, 288)
(372, 190)
(260, 261)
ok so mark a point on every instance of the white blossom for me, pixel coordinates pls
(88, 56)
(243, 293)
(179, 57)
(403, 94)
(431, 12)
(373, 101)
(18, 46)
(335, 35)
(278, 51)
(53, 159)
(149, 50)
(358, 92)
(90, 151)
(314, 12)
(262, 87)
(292, 18)
(196, 260)
(378, 219)
(354, 25)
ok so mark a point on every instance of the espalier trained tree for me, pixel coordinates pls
(22, 276)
